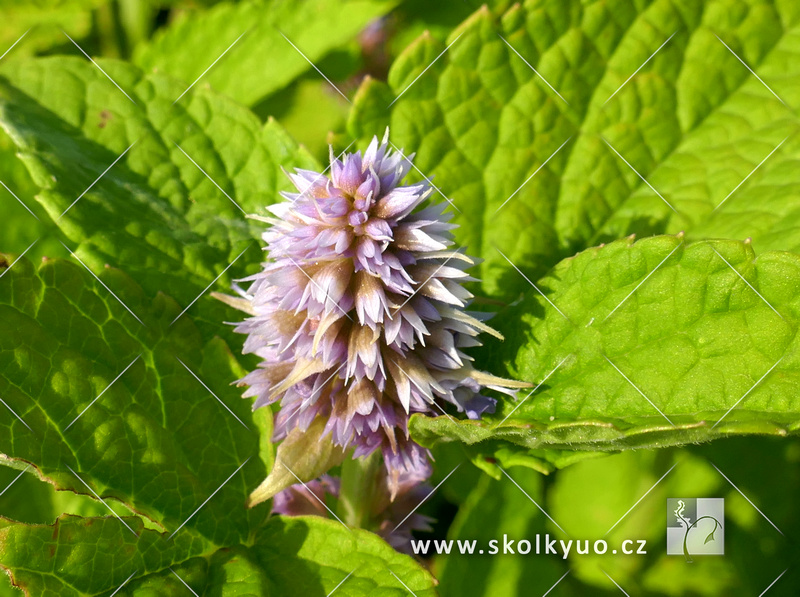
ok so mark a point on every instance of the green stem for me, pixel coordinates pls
(359, 490)
(108, 30)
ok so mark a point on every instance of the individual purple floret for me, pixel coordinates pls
(358, 315)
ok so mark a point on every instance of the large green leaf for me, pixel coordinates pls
(154, 213)
(262, 61)
(644, 344)
(310, 556)
(693, 121)
(111, 398)
(106, 406)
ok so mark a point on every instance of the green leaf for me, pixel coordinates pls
(693, 121)
(151, 436)
(300, 556)
(413, 17)
(646, 344)
(25, 222)
(28, 499)
(154, 213)
(111, 398)
(86, 556)
(262, 61)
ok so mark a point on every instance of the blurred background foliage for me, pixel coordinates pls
(586, 499)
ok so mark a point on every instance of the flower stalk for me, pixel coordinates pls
(359, 492)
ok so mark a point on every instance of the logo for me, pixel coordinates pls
(695, 527)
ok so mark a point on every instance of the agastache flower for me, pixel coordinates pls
(358, 314)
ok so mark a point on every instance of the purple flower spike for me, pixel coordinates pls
(358, 315)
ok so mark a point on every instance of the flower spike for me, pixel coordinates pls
(358, 314)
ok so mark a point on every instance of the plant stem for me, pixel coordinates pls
(359, 489)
